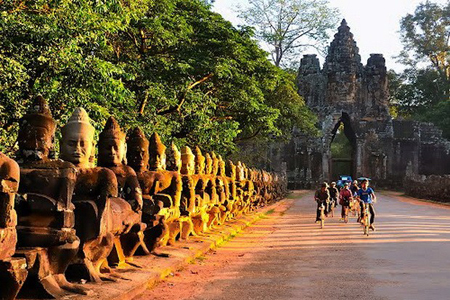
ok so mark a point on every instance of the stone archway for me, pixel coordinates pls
(343, 145)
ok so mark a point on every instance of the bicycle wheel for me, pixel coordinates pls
(366, 220)
(322, 216)
(346, 214)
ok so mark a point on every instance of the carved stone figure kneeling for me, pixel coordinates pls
(127, 208)
(45, 211)
(12, 269)
(153, 212)
(94, 188)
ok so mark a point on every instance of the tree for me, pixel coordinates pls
(422, 90)
(426, 39)
(169, 66)
(288, 26)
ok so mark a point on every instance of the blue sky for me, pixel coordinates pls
(374, 24)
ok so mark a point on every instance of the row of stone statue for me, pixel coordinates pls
(68, 217)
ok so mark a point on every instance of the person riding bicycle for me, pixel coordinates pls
(354, 188)
(345, 196)
(322, 197)
(334, 192)
(367, 196)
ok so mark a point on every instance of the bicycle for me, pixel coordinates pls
(332, 207)
(346, 208)
(366, 219)
(322, 215)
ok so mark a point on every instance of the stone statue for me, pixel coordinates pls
(223, 191)
(167, 185)
(127, 208)
(158, 188)
(12, 269)
(188, 199)
(233, 198)
(95, 186)
(214, 206)
(200, 217)
(45, 211)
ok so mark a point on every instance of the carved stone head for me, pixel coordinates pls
(157, 152)
(187, 161)
(36, 131)
(208, 164)
(77, 143)
(173, 159)
(199, 162)
(221, 171)
(240, 172)
(215, 164)
(230, 170)
(137, 150)
(111, 145)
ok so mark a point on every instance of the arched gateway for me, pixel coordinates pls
(351, 100)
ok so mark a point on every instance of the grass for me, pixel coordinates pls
(269, 212)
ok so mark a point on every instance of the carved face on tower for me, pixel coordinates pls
(157, 151)
(199, 162)
(77, 143)
(173, 159)
(137, 150)
(111, 145)
(36, 132)
(187, 161)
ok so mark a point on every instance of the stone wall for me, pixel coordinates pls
(432, 187)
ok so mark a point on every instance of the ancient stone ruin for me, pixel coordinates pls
(351, 99)
(76, 219)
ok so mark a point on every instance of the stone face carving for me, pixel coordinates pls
(155, 206)
(201, 181)
(45, 211)
(95, 186)
(12, 270)
(127, 208)
(189, 198)
(233, 198)
(167, 186)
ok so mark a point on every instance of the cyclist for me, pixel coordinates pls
(334, 192)
(345, 197)
(322, 197)
(354, 188)
(367, 196)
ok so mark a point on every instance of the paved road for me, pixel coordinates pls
(287, 256)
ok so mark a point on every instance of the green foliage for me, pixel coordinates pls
(169, 66)
(422, 91)
(425, 37)
(341, 146)
(288, 26)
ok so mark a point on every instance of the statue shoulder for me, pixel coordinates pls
(9, 169)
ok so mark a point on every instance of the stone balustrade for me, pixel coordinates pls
(84, 221)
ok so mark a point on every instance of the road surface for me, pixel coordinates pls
(287, 256)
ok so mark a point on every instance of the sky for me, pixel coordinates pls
(374, 24)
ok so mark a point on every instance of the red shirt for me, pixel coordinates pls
(346, 194)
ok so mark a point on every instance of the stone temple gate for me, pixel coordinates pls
(352, 99)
